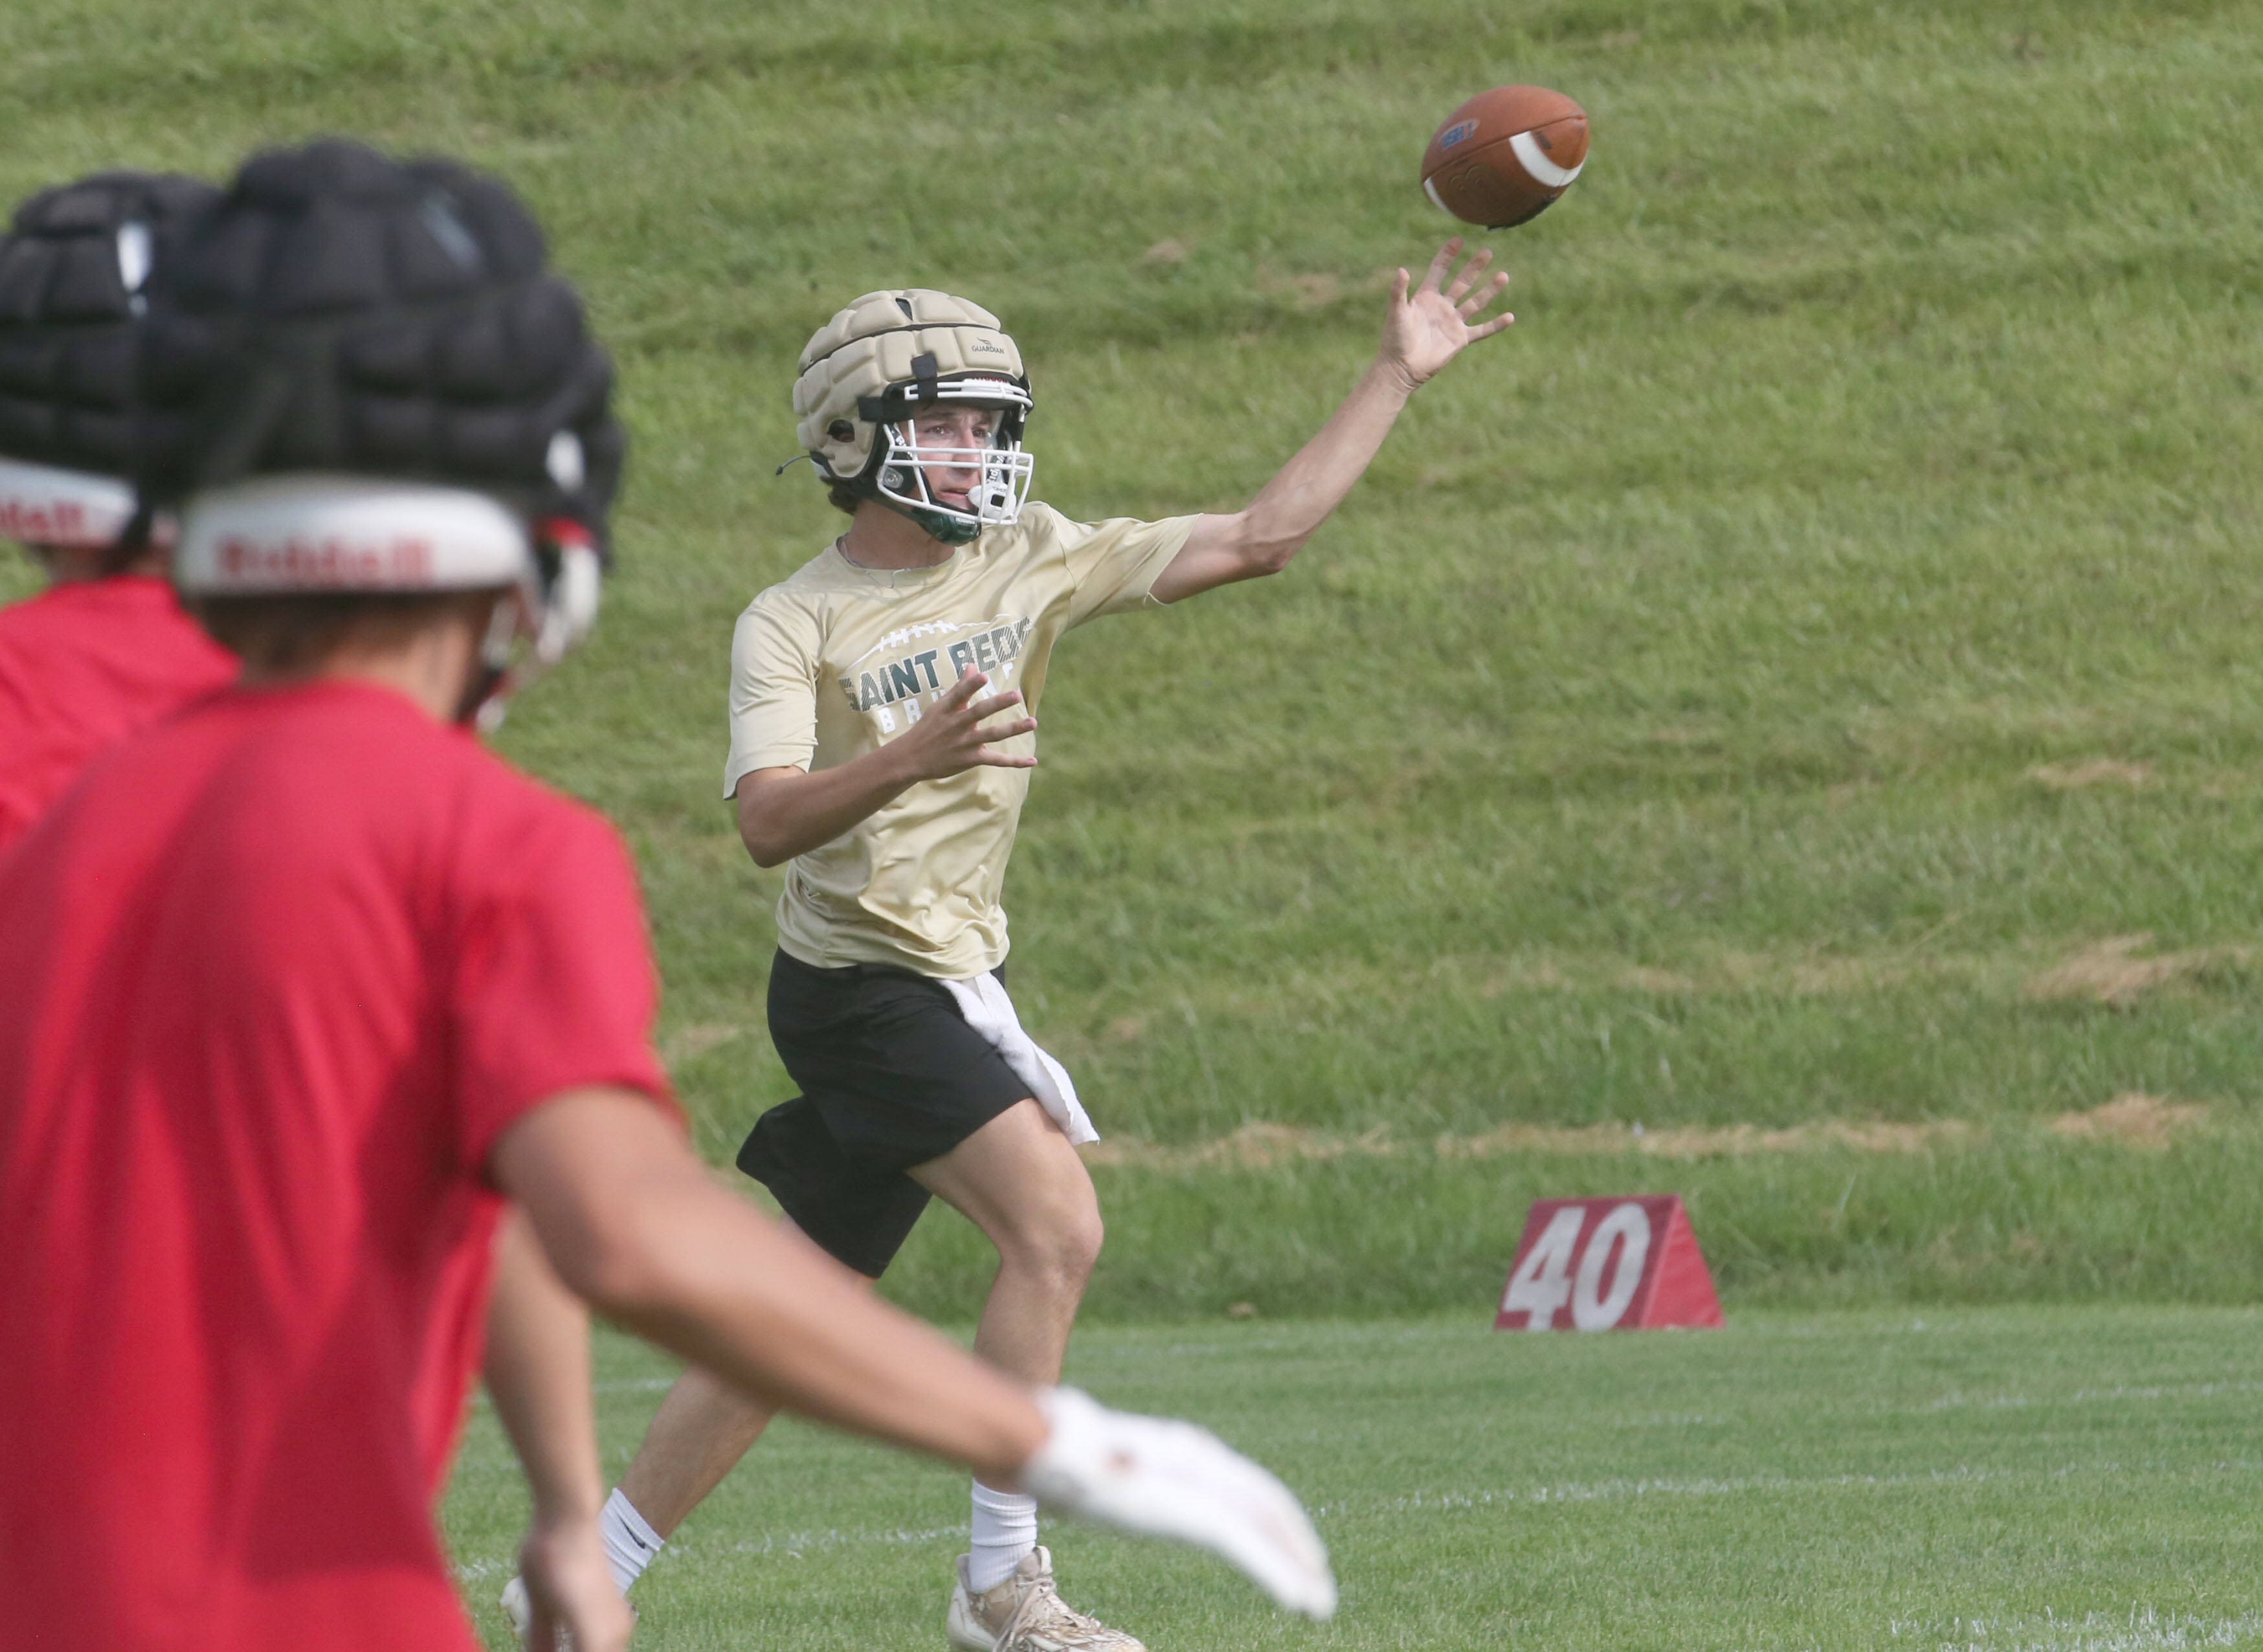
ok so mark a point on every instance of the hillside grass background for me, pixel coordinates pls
(1779, 725)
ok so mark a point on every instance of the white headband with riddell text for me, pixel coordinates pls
(315, 532)
(69, 509)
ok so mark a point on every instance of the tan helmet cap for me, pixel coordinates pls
(871, 345)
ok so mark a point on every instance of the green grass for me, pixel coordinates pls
(1655, 737)
(2051, 1480)
(1676, 730)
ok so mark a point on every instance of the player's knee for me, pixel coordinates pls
(1057, 1245)
(1073, 1246)
(1080, 1245)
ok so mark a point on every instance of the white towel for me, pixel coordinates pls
(989, 1011)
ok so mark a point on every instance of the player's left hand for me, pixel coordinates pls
(1167, 1479)
(571, 1599)
(1426, 329)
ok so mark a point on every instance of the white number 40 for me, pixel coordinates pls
(1546, 1279)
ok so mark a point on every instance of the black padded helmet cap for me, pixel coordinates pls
(74, 274)
(341, 310)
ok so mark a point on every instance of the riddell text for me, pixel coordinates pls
(64, 521)
(329, 562)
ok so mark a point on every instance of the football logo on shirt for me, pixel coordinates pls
(907, 668)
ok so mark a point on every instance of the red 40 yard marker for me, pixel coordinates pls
(1608, 1265)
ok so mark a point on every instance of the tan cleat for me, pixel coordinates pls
(1026, 1613)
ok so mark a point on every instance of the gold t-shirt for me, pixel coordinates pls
(838, 660)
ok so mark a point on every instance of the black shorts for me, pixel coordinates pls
(891, 1076)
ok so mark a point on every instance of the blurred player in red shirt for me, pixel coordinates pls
(106, 650)
(96, 656)
(301, 984)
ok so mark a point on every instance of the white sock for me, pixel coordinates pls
(1005, 1530)
(630, 1544)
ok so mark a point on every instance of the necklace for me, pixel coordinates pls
(841, 550)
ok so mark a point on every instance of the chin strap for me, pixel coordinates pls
(948, 530)
(937, 525)
(482, 704)
(551, 612)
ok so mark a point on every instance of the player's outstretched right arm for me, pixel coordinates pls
(1425, 327)
(632, 1223)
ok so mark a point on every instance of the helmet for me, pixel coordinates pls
(313, 532)
(372, 384)
(75, 269)
(889, 353)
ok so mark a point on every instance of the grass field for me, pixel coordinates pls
(2005, 1481)
(1783, 725)
(1802, 677)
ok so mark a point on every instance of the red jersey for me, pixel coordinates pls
(82, 666)
(273, 978)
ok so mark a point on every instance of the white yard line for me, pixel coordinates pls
(791, 1545)
(1739, 1485)
(2118, 1395)
(1700, 1486)
(633, 1385)
(2142, 1630)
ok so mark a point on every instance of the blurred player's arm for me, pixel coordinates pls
(537, 1374)
(785, 812)
(633, 1225)
(1422, 331)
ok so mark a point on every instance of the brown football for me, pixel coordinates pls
(1506, 154)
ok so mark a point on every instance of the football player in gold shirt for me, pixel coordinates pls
(883, 723)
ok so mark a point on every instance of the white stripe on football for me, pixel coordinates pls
(1534, 161)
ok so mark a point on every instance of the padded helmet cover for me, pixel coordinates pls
(345, 313)
(869, 349)
(74, 267)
